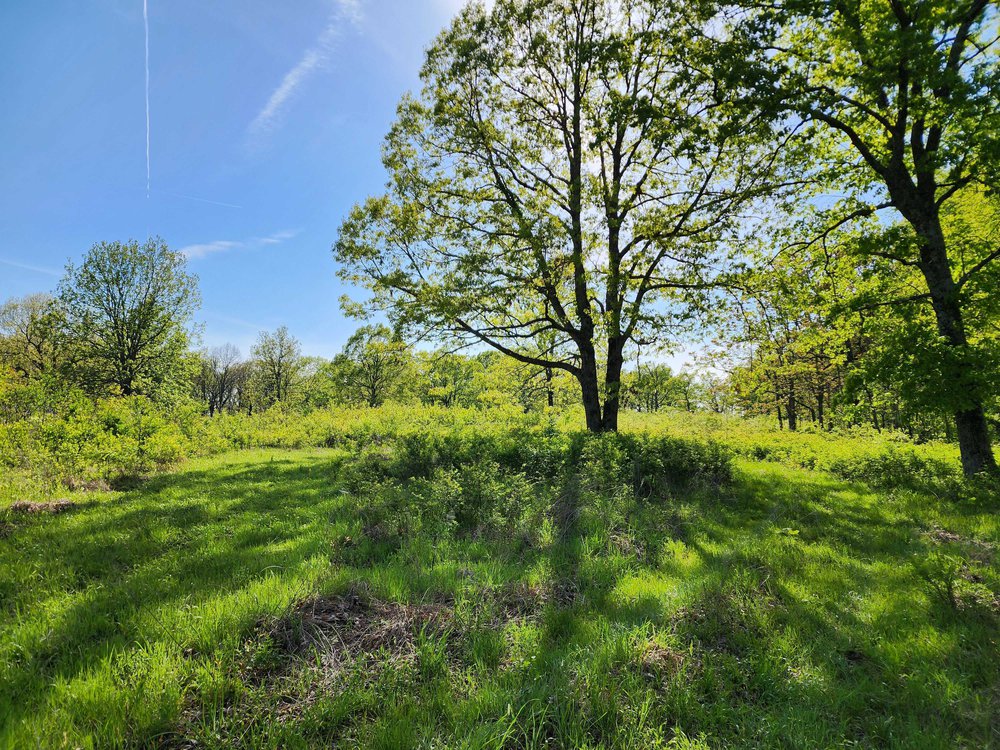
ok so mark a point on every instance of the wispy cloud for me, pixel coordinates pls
(208, 248)
(196, 198)
(212, 315)
(343, 13)
(277, 238)
(29, 267)
(203, 249)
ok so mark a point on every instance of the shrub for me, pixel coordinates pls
(894, 466)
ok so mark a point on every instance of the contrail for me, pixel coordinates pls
(145, 23)
(195, 198)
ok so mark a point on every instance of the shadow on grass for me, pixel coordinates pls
(105, 570)
(785, 601)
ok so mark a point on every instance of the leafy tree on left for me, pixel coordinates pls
(31, 336)
(126, 312)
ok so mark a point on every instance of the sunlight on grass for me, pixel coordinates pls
(782, 609)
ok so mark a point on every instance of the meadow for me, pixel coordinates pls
(445, 578)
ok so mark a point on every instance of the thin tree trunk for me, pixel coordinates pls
(791, 413)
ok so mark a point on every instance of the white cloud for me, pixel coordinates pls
(344, 12)
(207, 248)
(203, 249)
(277, 238)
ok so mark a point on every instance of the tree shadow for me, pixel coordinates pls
(789, 615)
(193, 536)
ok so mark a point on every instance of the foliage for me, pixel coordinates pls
(557, 189)
(371, 366)
(30, 335)
(898, 102)
(223, 379)
(277, 362)
(125, 310)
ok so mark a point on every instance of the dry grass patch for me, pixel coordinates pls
(54, 506)
(340, 629)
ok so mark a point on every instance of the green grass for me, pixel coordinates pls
(786, 609)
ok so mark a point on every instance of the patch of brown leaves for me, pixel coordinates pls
(341, 628)
(54, 506)
(658, 660)
(520, 600)
(625, 544)
(977, 549)
(86, 485)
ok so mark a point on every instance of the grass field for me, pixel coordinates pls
(316, 598)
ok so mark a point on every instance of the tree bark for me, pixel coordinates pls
(970, 423)
(612, 385)
(591, 403)
(791, 413)
(589, 388)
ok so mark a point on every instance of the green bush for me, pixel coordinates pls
(894, 466)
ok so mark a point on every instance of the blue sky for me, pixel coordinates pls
(266, 122)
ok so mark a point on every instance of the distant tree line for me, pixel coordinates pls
(121, 324)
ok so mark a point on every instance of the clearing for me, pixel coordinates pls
(274, 598)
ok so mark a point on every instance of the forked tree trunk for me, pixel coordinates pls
(600, 419)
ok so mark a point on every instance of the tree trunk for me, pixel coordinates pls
(589, 389)
(871, 405)
(918, 205)
(612, 383)
(591, 403)
(970, 423)
(791, 413)
(974, 441)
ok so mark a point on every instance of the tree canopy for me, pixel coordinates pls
(126, 311)
(558, 187)
(900, 103)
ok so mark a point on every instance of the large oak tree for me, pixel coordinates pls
(557, 188)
